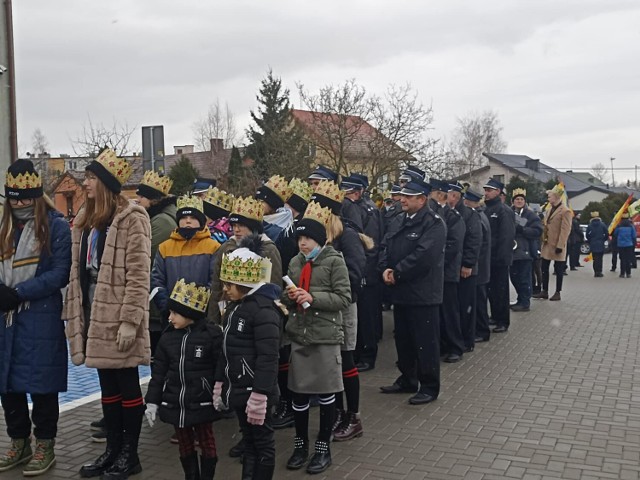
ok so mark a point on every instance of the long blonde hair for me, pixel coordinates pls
(99, 211)
(42, 205)
(335, 229)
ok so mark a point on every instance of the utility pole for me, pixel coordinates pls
(8, 128)
(613, 181)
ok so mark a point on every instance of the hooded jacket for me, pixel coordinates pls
(624, 234)
(527, 235)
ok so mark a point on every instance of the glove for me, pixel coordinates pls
(150, 413)
(9, 299)
(218, 404)
(256, 408)
(519, 229)
(126, 336)
(558, 251)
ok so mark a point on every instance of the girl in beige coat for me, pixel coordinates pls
(107, 307)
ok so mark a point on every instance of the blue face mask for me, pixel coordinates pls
(187, 233)
(313, 253)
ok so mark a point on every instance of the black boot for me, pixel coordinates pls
(263, 472)
(104, 461)
(283, 416)
(321, 459)
(127, 462)
(208, 467)
(248, 465)
(300, 454)
(191, 467)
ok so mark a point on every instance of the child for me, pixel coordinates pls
(217, 207)
(251, 344)
(316, 333)
(183, 372)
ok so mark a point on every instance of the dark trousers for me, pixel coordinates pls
(626, 259)
(467, 305)
(369, 309)
(520, 272)
(451, 341)
(558, 269)
(614, 258)
(482, 315)
(45, 415)
(536, 275)
(417, 336)
(259, 441)
(122, 403)
(597, 262)
(499, 295)
(574, 255)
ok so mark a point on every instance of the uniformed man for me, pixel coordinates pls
(469, 265)
(503, 231)
(321, 173)
(452, 343)
(392, 207)
(412, 261)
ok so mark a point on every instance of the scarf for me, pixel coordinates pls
(305, 273)
(22, 265)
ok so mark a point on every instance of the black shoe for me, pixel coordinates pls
(127, 463)
(400, 386)
(452, 358)
(104, 461)
(98, 425)
(421, 399)
(365, 366)
(613, 269)
(519, 308)
(263, 472)
(321, 459)
(598, 275)
(237, 450)
(500, 329)
(628, 275)
(480, 340)
(300, 454)
(579, 266)
(573, 269)
(468, 350)
(283, 416)
(99, 436)
(492, 321)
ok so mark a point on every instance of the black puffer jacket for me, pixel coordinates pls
(250, 347)
(183, 374)
(352, 249)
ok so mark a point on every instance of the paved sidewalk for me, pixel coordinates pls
(555, 397)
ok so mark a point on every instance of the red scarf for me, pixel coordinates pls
(305, 279)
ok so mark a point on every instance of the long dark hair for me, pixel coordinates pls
(41, 212)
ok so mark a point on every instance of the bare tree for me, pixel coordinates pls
(339, 113)
(95, 136)
(219, 122)
(475, 134)
(39, 143)
(600, 172)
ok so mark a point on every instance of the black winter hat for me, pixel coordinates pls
(312, 229)
(29, 185)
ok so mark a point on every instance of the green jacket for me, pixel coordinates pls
(331, 291)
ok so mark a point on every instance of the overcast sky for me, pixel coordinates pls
(563, 75)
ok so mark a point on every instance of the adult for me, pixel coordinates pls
(528, 231)
(321, 173)
(201, 185)
(472, 243)
(503, 230)
(557, 226)
(412, 265)
(575, 241)
(392, 208)
(624, 236)
(35, 258)
(107, 305)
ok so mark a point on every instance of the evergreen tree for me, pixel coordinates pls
(183, 174)
(276, 144)
(241, 179)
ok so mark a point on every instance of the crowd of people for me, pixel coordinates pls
(255, 307)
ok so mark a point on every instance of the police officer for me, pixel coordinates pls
(469, 264)
(452, 343)
(412, 261)
(392, 208)
(321, 173)
(503, 230)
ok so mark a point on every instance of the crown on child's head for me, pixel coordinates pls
(279, 186)
(244, 267)
(191, 295)
(248, 207)
(156, 181)
(219, 198)
(118, 167)
(330, 190)
(318, 213)
(301, 188)
(189, 202)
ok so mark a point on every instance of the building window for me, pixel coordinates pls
(499, 178)
(178, 151)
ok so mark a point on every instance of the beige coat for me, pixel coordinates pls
(121, 295)
(557, 228)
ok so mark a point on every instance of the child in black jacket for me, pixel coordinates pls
(249, 363)
(182, 377)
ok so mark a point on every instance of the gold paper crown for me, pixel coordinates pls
(279, 186)
(558, 190)
(386, 195)
(189, 201)
(518, 191)
(157, 182)
(23, 181)
(190, 295)
(219, 198)
(244, 267)
(249, 208)
(318, 213)
(301, 188)
(116, 166)
(330, 189)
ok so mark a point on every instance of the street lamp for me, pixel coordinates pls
(613, 181)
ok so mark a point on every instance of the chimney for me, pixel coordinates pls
(182, 149)
(217, 145)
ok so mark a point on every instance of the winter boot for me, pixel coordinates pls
(350, 428)
(543, 295)
(283, 416)
(208, 467)
(19, 452)
(263, 472)
(321, 459)
(43, 458)
(300, 454)
(190, 467)
(104, 461)
(341, 417)
(127, 463)
(248, 465)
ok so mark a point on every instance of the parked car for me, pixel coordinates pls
(585, 249)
